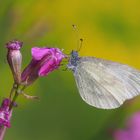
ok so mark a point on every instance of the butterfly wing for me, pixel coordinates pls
(106, 84)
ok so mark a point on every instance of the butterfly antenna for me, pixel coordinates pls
(80, 42)
(80, 46)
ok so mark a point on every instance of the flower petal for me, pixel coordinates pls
(39, 53)
(122, 135)
(44, 60)
(47, 67)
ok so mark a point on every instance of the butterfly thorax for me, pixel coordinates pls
(73, 61)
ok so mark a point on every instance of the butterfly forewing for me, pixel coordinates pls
(106, 84)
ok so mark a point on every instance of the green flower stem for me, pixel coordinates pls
(12, 91)
(14, 98)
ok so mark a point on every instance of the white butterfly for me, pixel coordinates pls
(102, 83)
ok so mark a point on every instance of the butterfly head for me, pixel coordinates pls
(74, 54)
(74, 57)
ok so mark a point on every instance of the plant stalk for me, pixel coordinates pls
(4, 128)
(2, 132)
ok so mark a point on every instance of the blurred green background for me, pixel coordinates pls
(111, 30)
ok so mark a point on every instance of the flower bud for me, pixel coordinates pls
(44, 61)
(5, 114)
(14, 59)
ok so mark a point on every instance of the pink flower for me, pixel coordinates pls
(5, 114)
(44, 60)
(132, 130)
(14, 59)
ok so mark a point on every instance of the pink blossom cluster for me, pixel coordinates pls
(132, 130)
(5, 114)
(44, 60)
